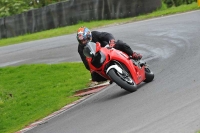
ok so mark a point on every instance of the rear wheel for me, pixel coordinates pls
(149, 75)
(123, 79)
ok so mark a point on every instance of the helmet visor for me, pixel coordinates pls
(83, 41)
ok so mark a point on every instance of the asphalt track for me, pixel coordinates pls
(169, 104)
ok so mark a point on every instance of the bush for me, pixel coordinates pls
(12, 7)
(171, 3)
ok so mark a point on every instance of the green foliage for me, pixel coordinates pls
(176, 3)
(12, 7)
(164, 6)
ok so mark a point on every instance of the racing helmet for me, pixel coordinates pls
(83, 35)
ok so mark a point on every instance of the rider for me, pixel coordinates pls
(104, 38)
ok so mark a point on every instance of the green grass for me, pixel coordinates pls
(30, 92)
(93, 24)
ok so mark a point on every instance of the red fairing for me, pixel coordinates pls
(98, 46)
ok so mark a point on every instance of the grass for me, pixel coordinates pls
(93, 24)
(30, 92)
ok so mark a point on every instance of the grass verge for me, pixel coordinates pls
(31, 92)
(93, 24)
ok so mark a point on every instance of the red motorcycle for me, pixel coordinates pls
(117, 66)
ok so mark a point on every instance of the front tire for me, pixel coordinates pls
(114, 75)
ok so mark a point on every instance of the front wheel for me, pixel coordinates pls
(123, 80)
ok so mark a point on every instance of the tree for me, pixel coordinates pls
(12, 7)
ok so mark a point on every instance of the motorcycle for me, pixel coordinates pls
(117, 66)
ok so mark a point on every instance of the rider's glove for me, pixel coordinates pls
(136, 56)
(112, 43)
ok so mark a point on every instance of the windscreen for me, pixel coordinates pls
(90, 49)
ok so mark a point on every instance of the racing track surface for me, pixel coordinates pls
(169, 104)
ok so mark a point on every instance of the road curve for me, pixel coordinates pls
(169, 104)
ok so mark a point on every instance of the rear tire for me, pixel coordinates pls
(122, 83)
(149, 75)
